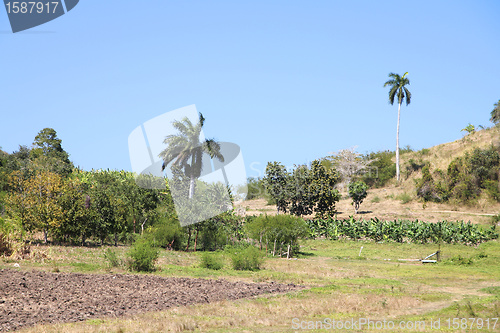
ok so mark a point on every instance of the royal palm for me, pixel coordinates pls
(398, 88)
(186, 150)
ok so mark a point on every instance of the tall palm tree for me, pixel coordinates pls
(398, 88)
(186, 150)
(495, 114)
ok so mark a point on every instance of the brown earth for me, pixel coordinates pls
(29, 298)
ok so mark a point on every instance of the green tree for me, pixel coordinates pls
(299, 189)
(276, 182)
(495, 114)
(358, 193)
(398, 88)
(324, 194)
(469, 129)
(35, 201)
(186, 150)
(47, 149)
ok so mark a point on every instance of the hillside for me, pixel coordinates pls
(391, 201)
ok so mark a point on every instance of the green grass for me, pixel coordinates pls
(340, 284)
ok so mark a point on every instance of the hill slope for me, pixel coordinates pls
(400, 201)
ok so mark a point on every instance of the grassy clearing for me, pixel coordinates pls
(342, 285)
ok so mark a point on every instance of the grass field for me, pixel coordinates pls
(342, 284)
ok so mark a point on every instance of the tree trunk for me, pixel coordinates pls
(196, 239)
(191, 187)
(397, 144)
(142, 225)
(189, 239)
(116, 239)
(45, 236)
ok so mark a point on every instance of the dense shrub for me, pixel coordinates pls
(381, 170)
(466, 177)
(211, 261)
(142, 256)
(247, 259)
(275, 233)
(167, 233)
(255, 188)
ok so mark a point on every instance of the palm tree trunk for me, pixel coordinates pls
(191, 187)
(397, 144)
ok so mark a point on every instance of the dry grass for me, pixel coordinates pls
(340, 287)
(263, 313)
(389, 207)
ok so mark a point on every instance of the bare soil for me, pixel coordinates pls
(29, 298)
(388, 206)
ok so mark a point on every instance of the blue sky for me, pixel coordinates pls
(288, 81)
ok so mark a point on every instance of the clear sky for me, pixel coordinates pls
(288, 81)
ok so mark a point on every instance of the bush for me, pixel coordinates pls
(381, 170)
(255, 188)
(211, 261)
(277, 232)
(249, 259)
(5, 245)
(167, 233)
(111, 258)
(143, 256)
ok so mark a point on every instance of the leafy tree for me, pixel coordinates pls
(325, 195)
(78, 218)
(187, 150)
(398, 88)
(35, 201)
(469, 129)
(495, 114)
(358, 193)
(276, 182)
(381, 168)
(299, 190)
(275, 233)
(19, 161)
(48, 150)
(255, 188)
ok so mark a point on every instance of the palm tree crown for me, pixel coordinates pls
(398, 88)
(186, 150)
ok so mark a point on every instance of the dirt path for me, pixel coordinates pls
(29, 298)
